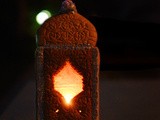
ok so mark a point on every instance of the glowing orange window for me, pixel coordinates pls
(68, 82)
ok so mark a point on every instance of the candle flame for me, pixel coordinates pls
(68, 82)
(68, 98)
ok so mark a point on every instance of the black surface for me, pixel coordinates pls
(124, 95)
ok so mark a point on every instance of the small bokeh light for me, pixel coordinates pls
(43, 16)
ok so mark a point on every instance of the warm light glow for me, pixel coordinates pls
(43, 16)
(68, 97)
(57, 111)
(68, 82)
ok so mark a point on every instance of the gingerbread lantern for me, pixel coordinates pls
(67, 67)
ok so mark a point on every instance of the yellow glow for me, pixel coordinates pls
(68, 97)
(57, 111)
(68, 82)
(42, 16)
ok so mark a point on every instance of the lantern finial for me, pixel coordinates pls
(68, 6)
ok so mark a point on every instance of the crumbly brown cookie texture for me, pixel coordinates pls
(69, 29)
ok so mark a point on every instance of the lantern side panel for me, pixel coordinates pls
(39, 82)
(85, 105)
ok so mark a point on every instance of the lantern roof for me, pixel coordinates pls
(67, 28)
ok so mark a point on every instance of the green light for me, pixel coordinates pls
(42, 16)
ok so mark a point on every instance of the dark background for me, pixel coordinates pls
(128, 34)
